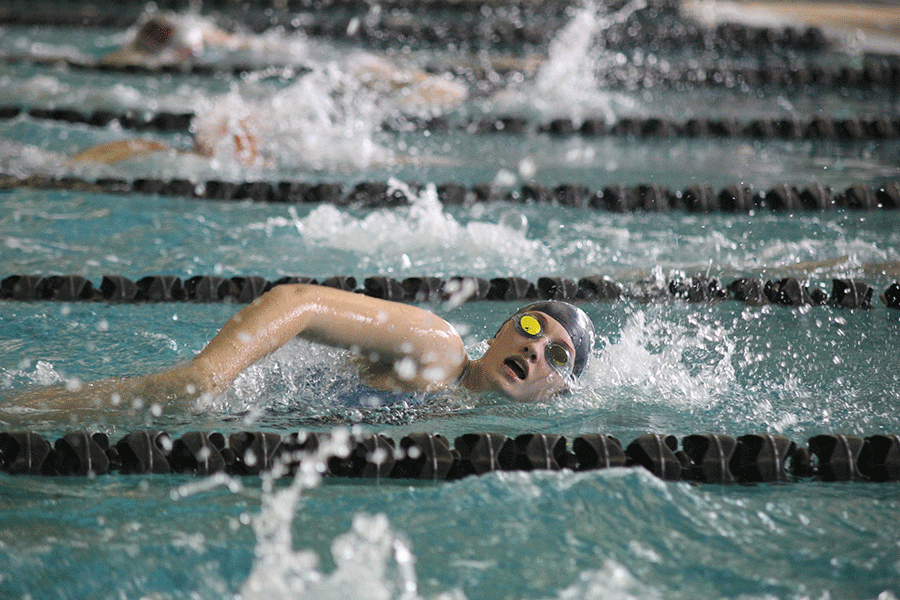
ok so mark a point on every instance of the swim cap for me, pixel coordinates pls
(155, 35)
(576, 323)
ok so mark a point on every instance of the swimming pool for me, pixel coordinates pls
(672, 366)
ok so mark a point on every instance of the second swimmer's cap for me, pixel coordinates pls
(576, 323)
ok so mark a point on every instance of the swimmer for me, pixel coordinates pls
(324, 104)
(234, 130)
(165, 38)
(412, 88)
(240, 139)
(226, 136)
(539, 352)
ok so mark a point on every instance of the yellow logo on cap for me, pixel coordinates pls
(530, 325)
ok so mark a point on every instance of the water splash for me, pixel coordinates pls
(325, 119)
(613, 581)
(298, 374)
(574, 54)
(43, 373)
(566, 84)
(371, 560)
(423, 237)
(686, 363)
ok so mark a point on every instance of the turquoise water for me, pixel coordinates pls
(672, 367)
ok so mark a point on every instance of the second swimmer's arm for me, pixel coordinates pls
(389, 330)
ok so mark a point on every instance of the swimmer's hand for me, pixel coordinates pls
(176, 389)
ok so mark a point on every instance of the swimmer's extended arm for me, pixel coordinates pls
(431, 351)
(423, 349)
(120, 150)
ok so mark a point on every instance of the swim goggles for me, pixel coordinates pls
(558, 356)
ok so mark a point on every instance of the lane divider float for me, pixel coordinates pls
(696, 198)
(657, 26)
(704, 458)
(788, 291)
(855, 128)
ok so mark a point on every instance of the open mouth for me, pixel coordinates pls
(517, 366)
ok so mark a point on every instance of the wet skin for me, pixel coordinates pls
(516, 365)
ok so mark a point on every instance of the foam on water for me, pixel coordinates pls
(322, 121)
(651, 356)
(22, 160)
(425, 237)
(298, 374)
(734, 369)
(371, 561)
(323, 118)
(612, 582)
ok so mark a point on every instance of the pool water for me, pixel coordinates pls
(660, 367)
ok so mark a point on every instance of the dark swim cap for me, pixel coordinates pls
(577, 324)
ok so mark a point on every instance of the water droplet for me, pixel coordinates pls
(515, 221)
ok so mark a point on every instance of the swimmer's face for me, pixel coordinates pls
(529, 358)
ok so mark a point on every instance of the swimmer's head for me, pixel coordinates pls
(576, 323)
(155, 35)
(539, 352)
(169, 35)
